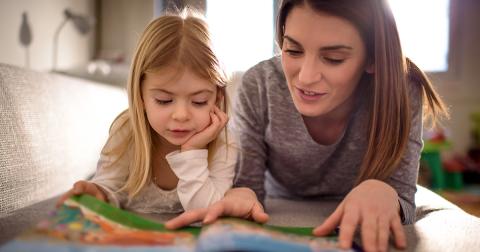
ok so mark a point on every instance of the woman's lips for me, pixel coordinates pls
(309, 95)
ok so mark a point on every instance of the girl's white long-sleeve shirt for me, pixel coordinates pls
(200, 184)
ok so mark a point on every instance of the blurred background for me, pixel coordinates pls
(95, 40)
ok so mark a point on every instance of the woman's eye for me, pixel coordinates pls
(293, 52)
(200, 103)
(334, 61)
(163, 102)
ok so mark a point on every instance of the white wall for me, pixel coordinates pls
(461, 87)
(122, 22)
(44, 17)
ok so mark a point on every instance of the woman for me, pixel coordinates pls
(338, 115)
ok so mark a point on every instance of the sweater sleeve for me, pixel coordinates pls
(404, 179)
(112, 171)
(249, 125)
(202, 183)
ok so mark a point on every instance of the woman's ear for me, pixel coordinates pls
(370, 68)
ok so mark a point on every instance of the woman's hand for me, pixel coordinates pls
(81, 187)
(200, 140)
(238, 202)
(374, 206)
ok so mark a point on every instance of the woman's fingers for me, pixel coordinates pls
(369, 229)
(348, 225)
(258, 214)
(383, 233)
(330, 223)
(398, 233)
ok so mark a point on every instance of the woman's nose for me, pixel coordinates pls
(310, 71)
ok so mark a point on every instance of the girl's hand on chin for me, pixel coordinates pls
(373, 205)
(218, 120)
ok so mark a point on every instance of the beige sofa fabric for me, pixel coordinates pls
(52, 128)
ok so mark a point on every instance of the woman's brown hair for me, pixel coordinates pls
(390, 117)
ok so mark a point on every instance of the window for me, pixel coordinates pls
(423, 26)
(242, 31)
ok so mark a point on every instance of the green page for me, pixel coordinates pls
(85, 223)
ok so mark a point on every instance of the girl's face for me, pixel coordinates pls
(177, 106)
(323, 58)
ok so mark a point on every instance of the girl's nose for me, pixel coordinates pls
(310, 71)
(180, 113)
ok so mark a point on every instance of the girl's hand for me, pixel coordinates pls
(238, 202)
(200, 140)
(81, 187)
(374, 206)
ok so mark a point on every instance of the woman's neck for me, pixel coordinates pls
(326, 129)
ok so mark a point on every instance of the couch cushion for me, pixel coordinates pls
(52, 128)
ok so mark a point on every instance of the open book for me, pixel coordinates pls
(84, 223)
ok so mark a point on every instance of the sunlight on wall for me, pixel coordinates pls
(242, 31)
(424, 31)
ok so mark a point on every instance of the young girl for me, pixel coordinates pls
(168, 151)
(337, 116)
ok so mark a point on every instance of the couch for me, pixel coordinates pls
(52, 128)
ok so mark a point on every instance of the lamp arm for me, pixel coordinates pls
(55, 43)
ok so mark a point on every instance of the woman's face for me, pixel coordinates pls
(323, 58)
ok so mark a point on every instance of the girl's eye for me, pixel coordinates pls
(200, 103)
(333, 61)
(293, 52)
(163, 102)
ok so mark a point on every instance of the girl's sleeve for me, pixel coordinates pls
(201, 183)
(111, 178)
(249, 124)
(404, 179)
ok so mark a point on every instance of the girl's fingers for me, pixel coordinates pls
(64, 197)
(99, 195)
(214, 211)
(186, 218)
(215, 120)
(90, 189)
(348, 225)
(369, 230)
(330, 223)
(79, 187)
(383, 233)
(223, 116)
(398, 233)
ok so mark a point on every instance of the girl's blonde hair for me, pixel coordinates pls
(390, 117)
(180, 40)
